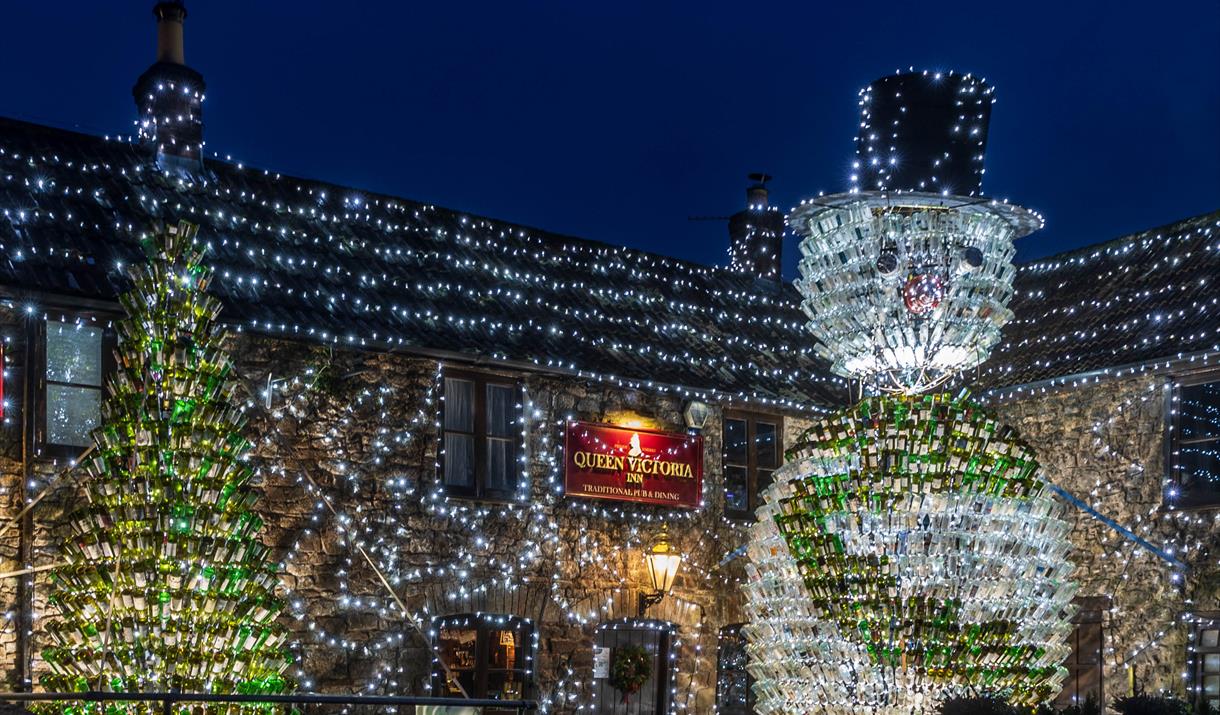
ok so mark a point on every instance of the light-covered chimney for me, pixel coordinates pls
(756, 234)
(169, 96)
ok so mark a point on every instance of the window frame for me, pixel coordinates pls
(484, 624)
(1173, 444)
(751, 419)
(1205, 621)
(479, 490)
(38, 334)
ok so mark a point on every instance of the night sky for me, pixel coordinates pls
(617, 121)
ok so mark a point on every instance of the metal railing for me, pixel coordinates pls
(169, 700)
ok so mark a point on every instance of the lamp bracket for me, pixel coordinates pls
(647, 600)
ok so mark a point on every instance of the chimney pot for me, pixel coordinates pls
(170, 45)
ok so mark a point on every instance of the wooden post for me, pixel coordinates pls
(25, 536)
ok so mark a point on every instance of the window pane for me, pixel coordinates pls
(735, 495)
(763, 480)
(458, 649)
(735, 441)
(1211, 684)
(501, 410)
(505, 685)
(766, 445)
(1199, 410)
(459, 460)
(502, 650)
(459, 405)
(1210, 638)
(1211, 663)
(1200, 467)
(501, 464)
(74, 353)
(72, 413)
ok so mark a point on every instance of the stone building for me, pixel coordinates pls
(413, 373)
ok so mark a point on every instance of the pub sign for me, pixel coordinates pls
(634, 465)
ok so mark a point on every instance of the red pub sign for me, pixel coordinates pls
(636, 465)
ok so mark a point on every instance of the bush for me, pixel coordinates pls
(977, 706)
(1151, 705)
(1132, 705)
(1089, 707)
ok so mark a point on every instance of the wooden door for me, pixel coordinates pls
(653, 697)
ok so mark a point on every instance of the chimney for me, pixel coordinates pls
(169, 97)
(756, 234)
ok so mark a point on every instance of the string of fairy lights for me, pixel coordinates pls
(878, 144)
(171, 111)
(600, 511)
(1189, 534)
(497, 245)
(594, 555)
(537, 508)
(599, 555)
(1162, 255)
(472, 519)
(697, 304)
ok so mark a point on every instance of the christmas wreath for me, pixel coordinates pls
(632, 667)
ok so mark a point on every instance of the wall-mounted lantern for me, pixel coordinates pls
(696, 414)
(662, 560)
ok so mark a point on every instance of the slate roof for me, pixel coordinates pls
(306, 259)
(301, 258)
(1147, 297)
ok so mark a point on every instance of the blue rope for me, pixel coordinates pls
(739, 551)
(1122, 530)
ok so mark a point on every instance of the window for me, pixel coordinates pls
(1084, 663)
(490, 655)
(752, 451)
(734, 692)
(76, 359)
(481, 436)
(1196, 450)
(1205, 661)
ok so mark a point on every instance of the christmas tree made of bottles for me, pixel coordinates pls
(165, 585)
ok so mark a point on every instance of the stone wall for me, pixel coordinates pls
(1105, 443)
(357, 432)
(346, 457)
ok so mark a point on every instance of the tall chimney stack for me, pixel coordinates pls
(756, 234)
(169, 96)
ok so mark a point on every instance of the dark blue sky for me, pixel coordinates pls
(618, 120)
